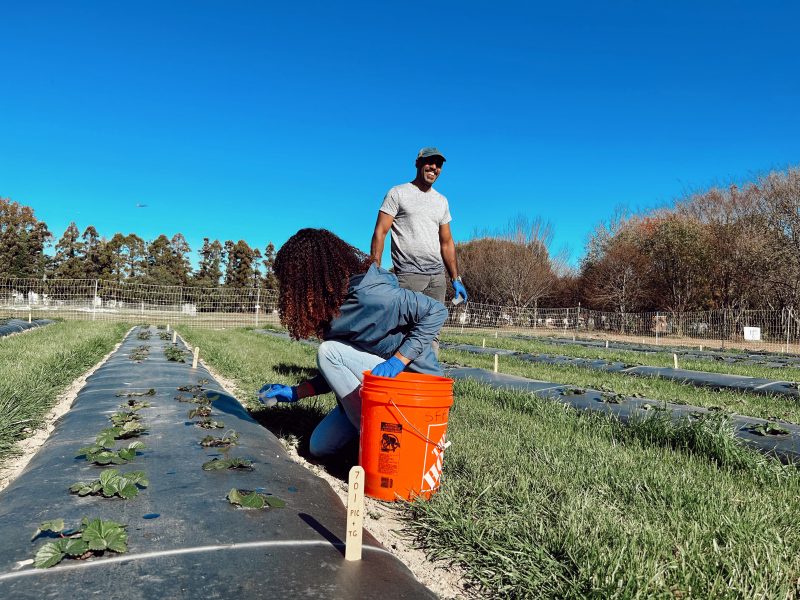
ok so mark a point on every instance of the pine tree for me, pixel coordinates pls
(68, 263)
(22, 241)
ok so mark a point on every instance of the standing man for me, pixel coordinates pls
(422, 244)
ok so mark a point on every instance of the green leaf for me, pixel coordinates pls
(254, 500)
(85, 491)
(127, 489)
(137, 445)
(126, 454)
(234, 497)
(105, 535)
(108, 476)
(49, 555)
(75, 547)
(76, 487)
(137, 477)
(89, 450)
(55, 525)
(107, 437)
(275, 502)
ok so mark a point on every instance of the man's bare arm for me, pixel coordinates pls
(382, 226)
(448, 250)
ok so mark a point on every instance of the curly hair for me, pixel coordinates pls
(313, 269)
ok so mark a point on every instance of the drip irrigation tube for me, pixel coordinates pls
(742, 383)
(184, 538)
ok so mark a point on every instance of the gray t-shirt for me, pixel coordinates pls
(415, 230)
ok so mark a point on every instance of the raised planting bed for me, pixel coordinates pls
(271, 529)
(10, 326)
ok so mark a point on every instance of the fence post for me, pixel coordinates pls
(788, 325)
(94, 301)
(258, 300)
(656, 328)
(577, 318)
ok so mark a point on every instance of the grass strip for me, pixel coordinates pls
(540, 501)
(771, 406)
(36, 367)
(654, 359)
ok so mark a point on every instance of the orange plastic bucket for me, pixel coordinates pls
(403, 434)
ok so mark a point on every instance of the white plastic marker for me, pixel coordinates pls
(495, 334)
(457, 300)
(675, 360)
(196, 356)
(573, 337)
(167, 327)
(701, 348)
(29, 316)
(355, 514)
(495, 363)
(484, 342)
(606, 343)
(174, 336)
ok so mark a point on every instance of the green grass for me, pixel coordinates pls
(35, 367)
(655, 359)
(541, 501)
(770, 406)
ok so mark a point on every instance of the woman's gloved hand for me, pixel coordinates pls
(390, 368)
(272, 393)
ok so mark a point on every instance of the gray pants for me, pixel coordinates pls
(433, 286)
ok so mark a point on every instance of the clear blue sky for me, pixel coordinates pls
(250, 120)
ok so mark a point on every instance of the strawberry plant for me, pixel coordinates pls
(150, 392)
(102, 454)
(161, 326)
(251, 499)
(134, 405)
(225, 441)
(766, 429)
(220, 464)
(120, 418)
(165, 336)
(144, 335)
(210, 424)
(112, 483)
(107, 436)
(92, 538)
(175, 354)
(139, 353)
(200, 411)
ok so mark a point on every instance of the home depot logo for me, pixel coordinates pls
(432, 476)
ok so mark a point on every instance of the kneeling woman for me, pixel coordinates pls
(366, 320)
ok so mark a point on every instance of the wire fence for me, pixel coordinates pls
(102, 300)
(760, 330)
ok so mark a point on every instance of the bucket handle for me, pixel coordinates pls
(438, 444)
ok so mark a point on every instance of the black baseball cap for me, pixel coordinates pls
(430, 151)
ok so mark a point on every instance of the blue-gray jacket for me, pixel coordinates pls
(380, 317)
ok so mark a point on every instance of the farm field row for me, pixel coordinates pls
(596, 508)
(632, 357)
(771, 407)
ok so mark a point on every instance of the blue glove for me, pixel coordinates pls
(272, 393)
(460, 290)
(390, 368)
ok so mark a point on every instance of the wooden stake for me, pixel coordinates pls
(606, 343)
(701, 348)
(174, 336)
(484, 342)
(196, 356)
(495, 363)
(495, 334)
(167, 327)
(573, 337)
(355, 514)
(29, 316)
(675, 360)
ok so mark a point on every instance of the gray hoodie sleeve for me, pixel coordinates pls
(425, 315)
